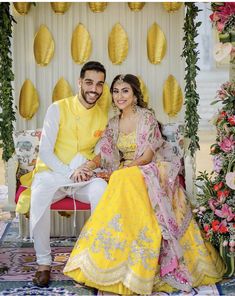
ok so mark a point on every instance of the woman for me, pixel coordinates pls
(141, 237)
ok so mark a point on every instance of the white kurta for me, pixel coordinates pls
(47, 186)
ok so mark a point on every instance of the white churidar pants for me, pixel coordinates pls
(46, 189)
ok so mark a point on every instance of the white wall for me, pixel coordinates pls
(99, 26)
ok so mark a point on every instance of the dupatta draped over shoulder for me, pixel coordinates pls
(148, 135)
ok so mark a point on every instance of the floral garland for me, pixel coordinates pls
(216, 197)
(7, 113)
(191, 57)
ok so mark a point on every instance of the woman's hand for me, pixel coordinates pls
(82, 173)
(104, 175)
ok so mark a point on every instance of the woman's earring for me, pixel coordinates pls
(115, 108)
(134, 106)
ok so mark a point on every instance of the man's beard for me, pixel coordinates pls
(85, 99)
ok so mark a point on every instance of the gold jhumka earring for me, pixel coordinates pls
(134, 106)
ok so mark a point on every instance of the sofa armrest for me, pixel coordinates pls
(11, 169)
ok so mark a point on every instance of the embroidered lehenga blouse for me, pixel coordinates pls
(126, 246)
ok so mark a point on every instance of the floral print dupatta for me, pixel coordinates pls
(172, 267)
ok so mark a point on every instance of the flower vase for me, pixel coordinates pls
(223, 38)
(228, 260)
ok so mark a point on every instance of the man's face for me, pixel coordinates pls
(91, 87)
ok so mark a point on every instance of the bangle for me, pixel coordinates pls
(91, 168)
(96, 162)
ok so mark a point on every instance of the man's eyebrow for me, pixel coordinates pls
(91, 80)
(88, 79)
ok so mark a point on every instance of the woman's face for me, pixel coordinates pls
(123, 95)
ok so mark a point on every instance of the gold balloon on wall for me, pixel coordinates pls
(61, 90)
(144, 90)
(118, 44)
(136, 6)
(81, 44)
(172, 96)
(97, 6)
(28, 100)
(43, 46)
(171, 6)
(60, 7)
(22, 7)
(156, 44)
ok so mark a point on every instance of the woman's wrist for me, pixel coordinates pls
(91, 165)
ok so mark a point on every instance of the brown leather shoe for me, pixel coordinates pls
(42, 278)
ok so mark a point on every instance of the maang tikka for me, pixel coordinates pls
(120, 79)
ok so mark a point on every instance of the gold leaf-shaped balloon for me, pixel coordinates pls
(61, 90)
(171, 6)
(22, 7)
(156, 44)
(81, 45)
(43, 46)
(28, 101)
(136, 6)
(97, 6)
(60, 7)
(105, 100)
(118, 44)
(144, 90)
(172, 96)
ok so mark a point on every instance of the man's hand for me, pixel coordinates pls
(82, 173)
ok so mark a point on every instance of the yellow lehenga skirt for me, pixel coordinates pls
(118, 248)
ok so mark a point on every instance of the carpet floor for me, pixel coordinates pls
(18, 265)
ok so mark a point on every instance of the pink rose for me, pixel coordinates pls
(225, 243)
(230, 180)
(232, 243)
(220, 26)
(227, 144)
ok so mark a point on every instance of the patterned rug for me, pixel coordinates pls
(17, 266)
(20, 264)
(66, 288)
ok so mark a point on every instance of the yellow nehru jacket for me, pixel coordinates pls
(79, 131)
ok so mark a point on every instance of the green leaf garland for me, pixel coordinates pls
(7, 113)
(190, 54)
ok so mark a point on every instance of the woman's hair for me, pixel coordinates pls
(134, 82)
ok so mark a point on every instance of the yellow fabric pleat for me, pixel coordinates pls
(118, 249)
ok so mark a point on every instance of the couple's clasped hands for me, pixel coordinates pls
(82, 173)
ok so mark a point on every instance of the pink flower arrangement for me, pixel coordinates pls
(222, 14)
(217, 191)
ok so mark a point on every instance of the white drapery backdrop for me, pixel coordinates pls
(99, 25)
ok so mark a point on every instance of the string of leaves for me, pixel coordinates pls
(190, 54)
(7, 113)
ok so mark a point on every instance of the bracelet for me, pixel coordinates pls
(97, 163)
(90, 161)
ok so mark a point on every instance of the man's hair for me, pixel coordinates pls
(94, 66)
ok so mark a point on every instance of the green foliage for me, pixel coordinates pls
(190, 54)
(216, 191)
(7, 113)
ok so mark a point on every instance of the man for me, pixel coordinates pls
(71, 129)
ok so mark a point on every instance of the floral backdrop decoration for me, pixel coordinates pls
(223, 20)
(216, 191)
(216, 197)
